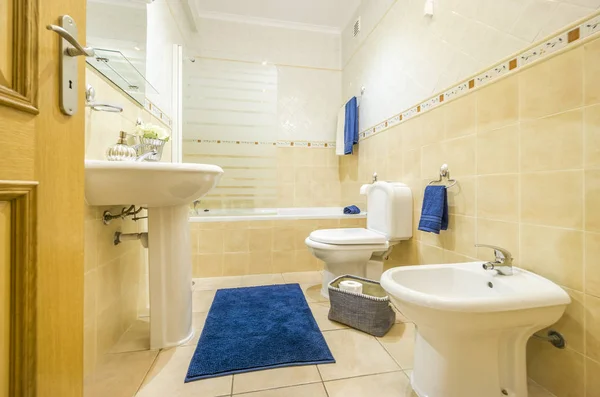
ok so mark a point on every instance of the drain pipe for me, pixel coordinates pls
(121, 237)
(554, 337)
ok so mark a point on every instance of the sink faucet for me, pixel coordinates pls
(144, 156)
(503, 262)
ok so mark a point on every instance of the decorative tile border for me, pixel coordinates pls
(156, 112)
(295, 144)
(572, 35)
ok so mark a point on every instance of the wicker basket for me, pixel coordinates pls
(370, 312)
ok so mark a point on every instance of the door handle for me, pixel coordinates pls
(77, 48)
(70, 49)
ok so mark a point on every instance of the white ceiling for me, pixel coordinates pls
(328, 14)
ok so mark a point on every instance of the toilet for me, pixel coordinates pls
(358, 251)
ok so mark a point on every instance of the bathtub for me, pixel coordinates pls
(265, 214)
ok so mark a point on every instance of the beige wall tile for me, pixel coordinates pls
(592, 384)
(460, 236)
(432, 157)
(498, 151)
(460, 154)
(261, 240)
(553, 86)
(432, 124)
(261, 263)
(552, 143)
(236, 240)
(210, 241)
(540, 203)
(411, 131)
(429, 255)
(284, 238)
(462, 197)
(591, 127)
(556, 254)
(559, 371)
(498, 104)
(592, 198)
(498, 197)
(499, 233)
(207, 265)
(284, 261)
(591, 55)
(592, 321)
(592, 264)
(571, 324)
(236, 264)
(411, 166)
(461, 116)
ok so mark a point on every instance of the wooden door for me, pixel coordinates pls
(41, 189)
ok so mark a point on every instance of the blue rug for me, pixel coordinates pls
(255, 328)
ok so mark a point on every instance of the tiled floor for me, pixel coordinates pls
(365, 365)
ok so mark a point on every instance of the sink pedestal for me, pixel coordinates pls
(170, 270)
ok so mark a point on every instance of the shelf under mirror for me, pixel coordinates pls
(121, 71)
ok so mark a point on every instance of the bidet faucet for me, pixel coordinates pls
(503, 263)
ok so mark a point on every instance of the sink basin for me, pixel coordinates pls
(146, 183)
(167, 190)
(472, 325)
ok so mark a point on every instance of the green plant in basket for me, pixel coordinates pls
(152, 131)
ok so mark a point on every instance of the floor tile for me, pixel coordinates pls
(120, 375)
(136, 338)
(201, 300)
(275, 378)
(210, 283)
(198, 320)
(262, 279)
(312, 292)
(356, 354)
(320, 312)
(312, 390)
(303, 277)
(166, 378)
(400, 342)
(391, 384)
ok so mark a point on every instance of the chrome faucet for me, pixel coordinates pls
(144, 156)
(503, 262)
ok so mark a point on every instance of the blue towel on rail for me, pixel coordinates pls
(351, 126)
(434, 215)
(351, 210)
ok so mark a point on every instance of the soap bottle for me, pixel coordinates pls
(121, 151)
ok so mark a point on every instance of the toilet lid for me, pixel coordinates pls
(352, 236)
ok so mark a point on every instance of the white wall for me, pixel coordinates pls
(404, 57)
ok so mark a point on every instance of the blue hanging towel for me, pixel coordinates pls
(434, 215)
(351, 125)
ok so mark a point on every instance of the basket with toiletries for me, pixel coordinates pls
(362, 304)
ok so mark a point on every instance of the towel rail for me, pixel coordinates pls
(445, 174)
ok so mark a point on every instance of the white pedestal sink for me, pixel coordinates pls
(167, 190)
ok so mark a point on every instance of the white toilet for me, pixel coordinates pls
(359, 251)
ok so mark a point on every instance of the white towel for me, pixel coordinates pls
(339, 133)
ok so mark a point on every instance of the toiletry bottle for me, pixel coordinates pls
(121, 151)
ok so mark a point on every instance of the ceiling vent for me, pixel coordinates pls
(356, 27)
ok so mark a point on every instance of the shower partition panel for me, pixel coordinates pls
(230, 119)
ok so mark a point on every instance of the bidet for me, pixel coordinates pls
(472, 325)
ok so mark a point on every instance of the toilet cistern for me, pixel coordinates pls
(503, 263)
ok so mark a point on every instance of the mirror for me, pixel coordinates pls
(116, 29)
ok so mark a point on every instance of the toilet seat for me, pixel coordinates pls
(348, 236)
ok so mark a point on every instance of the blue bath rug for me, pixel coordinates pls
(256, 328)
